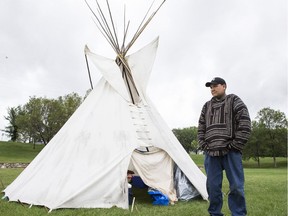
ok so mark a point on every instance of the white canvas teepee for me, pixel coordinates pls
(85, 164)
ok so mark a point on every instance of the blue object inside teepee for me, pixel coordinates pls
(158, 198)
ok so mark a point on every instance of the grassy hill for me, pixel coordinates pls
(12, 152)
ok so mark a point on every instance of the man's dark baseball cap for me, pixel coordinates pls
(216, 81)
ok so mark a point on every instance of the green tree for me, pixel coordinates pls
(256, 146)
(12, 128)
(194, 146)
(275, 126)
(69, 104)
(26, 131)
(41, 118)
(186, 136)
(53, 118)
(33, 123)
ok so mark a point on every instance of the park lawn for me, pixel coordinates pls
(143, 204)
(266, 194)
(266, 190)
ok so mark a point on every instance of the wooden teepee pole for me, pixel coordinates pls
(108, 30)
(89, 74)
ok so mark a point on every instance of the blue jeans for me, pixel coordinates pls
(232, 164)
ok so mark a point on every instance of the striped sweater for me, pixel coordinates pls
(224, 125)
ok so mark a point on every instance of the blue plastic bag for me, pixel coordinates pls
(158, 198)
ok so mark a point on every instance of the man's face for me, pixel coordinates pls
(217, 90)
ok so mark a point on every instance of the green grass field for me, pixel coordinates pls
(18, 152)
(266, 190)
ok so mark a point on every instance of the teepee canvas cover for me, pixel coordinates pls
(85, 164)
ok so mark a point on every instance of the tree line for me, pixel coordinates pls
(41, 118)
(268, 136)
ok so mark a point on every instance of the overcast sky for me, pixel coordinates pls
(243, 41)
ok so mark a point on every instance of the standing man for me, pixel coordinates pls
(223, 130)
